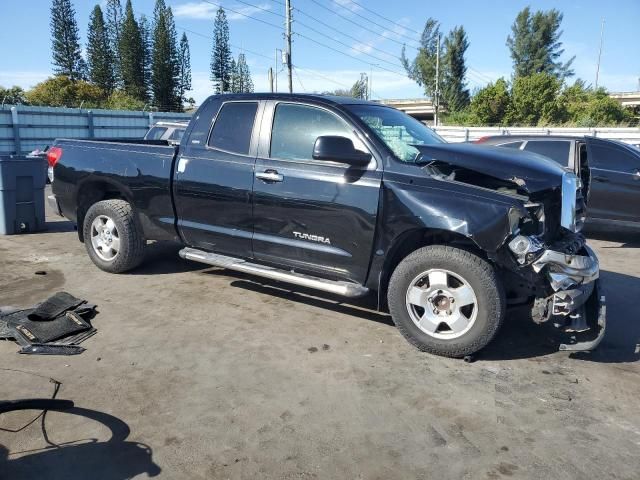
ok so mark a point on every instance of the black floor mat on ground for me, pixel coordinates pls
(54, 306)
(46, 331)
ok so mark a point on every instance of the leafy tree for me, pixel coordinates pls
(221, 54)
(586, 107)
(99, 56)
(535, 100)
(164, 78)
(113, 23)
(120, 100)
(422, 69)
(454, 91)
(65, 43)
(184, 66)
(490, 104)
(360, 89)
(535, 44)
(132, 56)
(147, 49)
(63, 91)
(14, 95)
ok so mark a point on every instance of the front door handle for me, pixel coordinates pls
(636, 174)
(270, 176)
(601, 179)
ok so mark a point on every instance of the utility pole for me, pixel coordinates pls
(600, 52)
(271, 79)
(437, 92)
(288, 42)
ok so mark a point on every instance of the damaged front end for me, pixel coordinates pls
(565, 273)
(542, 256)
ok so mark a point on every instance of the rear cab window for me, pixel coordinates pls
(515, 145)
(155, 133)
(556, 150)
(233, 127)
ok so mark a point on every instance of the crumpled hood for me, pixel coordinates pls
(530, 171)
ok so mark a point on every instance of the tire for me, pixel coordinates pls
(466, 327)
(108, 224)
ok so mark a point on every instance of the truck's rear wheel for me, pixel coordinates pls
(112, 236)
(446, 300)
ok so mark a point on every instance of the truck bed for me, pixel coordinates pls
(141, 169)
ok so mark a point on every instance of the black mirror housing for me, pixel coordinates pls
(339, 149)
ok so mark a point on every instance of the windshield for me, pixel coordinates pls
(397, 130)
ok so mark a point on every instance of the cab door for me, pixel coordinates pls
(214, 177)
(615, 181)
(312, 215)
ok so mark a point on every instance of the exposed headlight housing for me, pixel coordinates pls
(522, 246)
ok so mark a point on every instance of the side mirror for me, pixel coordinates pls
(339, 149)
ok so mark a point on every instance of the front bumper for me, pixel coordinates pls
(575, 303)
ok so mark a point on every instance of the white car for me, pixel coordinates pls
(169, 131)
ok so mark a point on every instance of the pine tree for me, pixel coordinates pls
(65, 43)
(164, 77)
(234, 79)
(184, 63)
(360, 88)
(422, 69)
(535, 44)
(99, 55)
(131, 52)
(221, 54)
(113, 22)
(454, 91)
(147, 48)
(244, 82)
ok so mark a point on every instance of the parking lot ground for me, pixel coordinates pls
(202, 373)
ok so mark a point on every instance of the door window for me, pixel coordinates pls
(233, 127)
(615, 157)
(296, 128)
(556, 150)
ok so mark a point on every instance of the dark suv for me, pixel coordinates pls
(609, 170)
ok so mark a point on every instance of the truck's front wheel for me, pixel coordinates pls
(112, 236)
(446, 300)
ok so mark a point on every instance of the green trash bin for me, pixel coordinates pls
(22, 182)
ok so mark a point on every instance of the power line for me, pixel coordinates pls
(341, 5)
(383, 17)
(348, 55)
(209, 37)
(358, 24)
(338, 31)
(279, 27)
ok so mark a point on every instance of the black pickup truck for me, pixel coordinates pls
(348, 197)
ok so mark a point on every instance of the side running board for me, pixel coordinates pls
(345, 289)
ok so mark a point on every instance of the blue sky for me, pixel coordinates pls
(26, 58)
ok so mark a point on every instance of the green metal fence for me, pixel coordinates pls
(24, 129)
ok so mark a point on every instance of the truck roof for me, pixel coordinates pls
(328, 99)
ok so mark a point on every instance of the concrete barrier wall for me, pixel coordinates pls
(24, 129)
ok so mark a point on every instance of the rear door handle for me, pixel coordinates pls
(270, 176)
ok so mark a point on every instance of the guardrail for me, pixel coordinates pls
(24, 129)
(469, 134)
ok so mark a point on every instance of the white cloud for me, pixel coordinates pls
(348, 5)
(207, 11)
(24, 79)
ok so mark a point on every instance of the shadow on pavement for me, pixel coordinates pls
(114, 459)
(627, 239)
(364, 307)
(162, 258)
